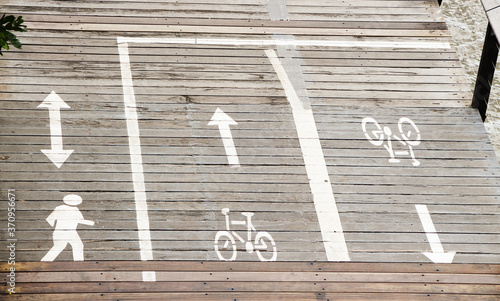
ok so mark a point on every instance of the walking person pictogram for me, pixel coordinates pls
(66, 218)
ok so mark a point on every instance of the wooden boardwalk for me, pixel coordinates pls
(181, 280)
(345, 127)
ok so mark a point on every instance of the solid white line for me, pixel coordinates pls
(265, 42)
(429, 229)
(134, 140)
(314, 160)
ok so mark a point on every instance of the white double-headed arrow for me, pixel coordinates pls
(56, 154)
(438, 255)
(223, 121)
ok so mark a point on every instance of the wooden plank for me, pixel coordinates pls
(207, 236)
(33, 17)
(241, 30)
(163, 255)
(229, 12)
(372, 267)
(106, 276)
(250, 296)
(275, 287)
(106, 204)
(203, 51)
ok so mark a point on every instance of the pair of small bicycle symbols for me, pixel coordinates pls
(225, 241)
(409, 137)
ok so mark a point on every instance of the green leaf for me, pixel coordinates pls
(17, 24)
(8, 24)
(8, 20)
(14, 41)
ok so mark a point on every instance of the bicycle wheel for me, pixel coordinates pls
(373, 131)
(265, 247)
(409, 131)
(225, 246)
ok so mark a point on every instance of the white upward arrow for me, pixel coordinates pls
(437, 255)
(223, 121)
(56, 154)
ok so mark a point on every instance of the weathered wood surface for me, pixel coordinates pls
(355, 59)
(72, 49)
(112, 280)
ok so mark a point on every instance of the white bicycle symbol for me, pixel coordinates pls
(225, 243)
(410, 137)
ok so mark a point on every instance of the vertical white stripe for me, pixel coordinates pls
(134, 140)
(56, 140)
(314, 160)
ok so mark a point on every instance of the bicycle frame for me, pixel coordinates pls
(393, 153)
(248, 223)
(263, 240)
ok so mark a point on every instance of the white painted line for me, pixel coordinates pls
(56, 154)
(149, 276)
(319, 179)
(438, 255)
(134, 140)
(223, 121)
(265, 42)
(278, 10)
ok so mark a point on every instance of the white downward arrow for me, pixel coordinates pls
(223, 121)
(437, 255)
(56, 154)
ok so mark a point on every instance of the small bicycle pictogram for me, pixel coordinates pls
(225, 243)
(410, 137)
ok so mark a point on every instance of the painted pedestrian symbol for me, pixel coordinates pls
(66, 218)
(410, 137)
(225, 243)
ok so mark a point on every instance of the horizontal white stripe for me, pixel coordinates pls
(325, 43)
